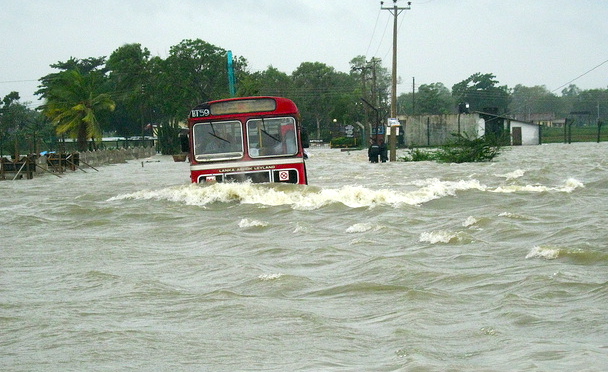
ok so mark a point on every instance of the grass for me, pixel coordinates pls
(578, 134)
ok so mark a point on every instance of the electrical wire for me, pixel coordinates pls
(580, 76)
(373, 33)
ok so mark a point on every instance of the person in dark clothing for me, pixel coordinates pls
(373, 152)
(383, 151)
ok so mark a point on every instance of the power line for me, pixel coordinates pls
(373, 34)
(16, 81)
(580, 76)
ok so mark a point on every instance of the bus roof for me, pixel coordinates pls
(244, 105)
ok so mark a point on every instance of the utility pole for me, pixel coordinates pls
(395, 11)
(413, 95)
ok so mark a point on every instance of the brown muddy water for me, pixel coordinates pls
(399, 266)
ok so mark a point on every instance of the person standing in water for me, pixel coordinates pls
(373, 151)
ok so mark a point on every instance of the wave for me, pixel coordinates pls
(518, 173)
(300, 197)
(570, 185)
(577, 255)
(470, 221)
(246, 222)
(443, 236)
(362, 227)
(267, 277)
(311, 198)
(548, 253)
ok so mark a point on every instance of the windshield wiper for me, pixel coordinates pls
(215, 135)
(218, 137)
(266, 133)
(270, 135)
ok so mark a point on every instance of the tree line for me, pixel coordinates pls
(123, 94)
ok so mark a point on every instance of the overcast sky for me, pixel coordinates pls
(529, 42)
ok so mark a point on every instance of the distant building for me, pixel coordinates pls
(547, 119)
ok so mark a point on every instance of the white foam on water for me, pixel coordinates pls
(300, 229)
(246, 222)
(439, 236)
(470, 221)
(360, 227)
(302, 198)
(514, 216)
(548, 253)
(309, 198)
(569, 185)
(267, 277)
(518, 173)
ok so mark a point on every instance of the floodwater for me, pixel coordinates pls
(398, 266)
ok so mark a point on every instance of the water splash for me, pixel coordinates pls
(301, 197)
(312, 198)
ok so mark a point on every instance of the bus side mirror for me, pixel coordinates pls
(184, 142)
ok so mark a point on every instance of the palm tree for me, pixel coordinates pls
(74, 102)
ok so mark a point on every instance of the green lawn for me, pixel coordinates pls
(579, 134)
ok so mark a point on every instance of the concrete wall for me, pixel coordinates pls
(101, 157)
(437, 130)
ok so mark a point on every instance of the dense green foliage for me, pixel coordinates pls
(122, 94)
(344, 142)
(462, 150)
(21, 128)
(168, 139)
(75, 101)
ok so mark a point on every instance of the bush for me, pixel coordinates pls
(342, 142)
(168, 139)
(419, 155)
(462, 150)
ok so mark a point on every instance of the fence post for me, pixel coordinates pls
(428, 131)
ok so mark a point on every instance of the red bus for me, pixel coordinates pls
(256, 139)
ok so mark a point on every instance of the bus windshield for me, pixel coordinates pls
(218, 140)
(272, 137)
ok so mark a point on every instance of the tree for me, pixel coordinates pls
(594, 102)
(482, 93)
(194, 72)
(74, 102)
(270, 82)
(20, 125)
(533, 100)
(10, 117)
(130, 78)
(318, 91)
(434, 99)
